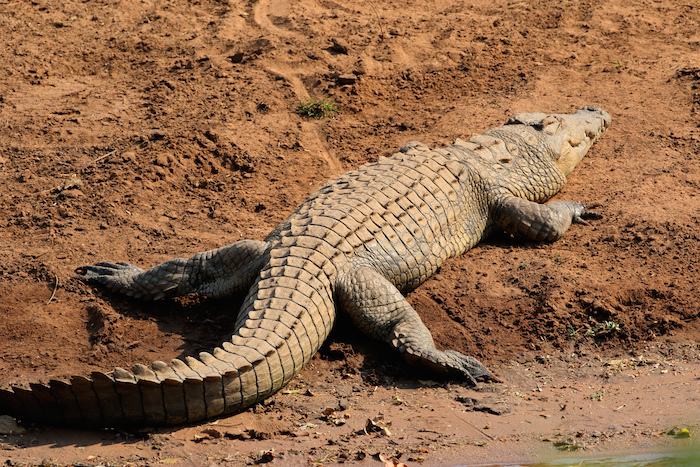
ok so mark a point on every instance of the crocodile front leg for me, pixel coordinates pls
(539, 222)
(380, 310)
(216, 273)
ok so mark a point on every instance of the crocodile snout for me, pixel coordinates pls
(600, 116)
(576, 134)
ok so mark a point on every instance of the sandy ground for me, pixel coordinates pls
(145, 130)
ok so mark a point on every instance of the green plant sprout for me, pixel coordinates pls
(316, 109)
(606, 327)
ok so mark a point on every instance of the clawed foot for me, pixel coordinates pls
(158, 282)
(119, 277)
(97, 272)
(453, 364)
(471, 368)
(581, 213)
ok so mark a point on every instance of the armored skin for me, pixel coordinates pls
(355, 246)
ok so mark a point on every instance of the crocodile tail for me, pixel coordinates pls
(285, 319)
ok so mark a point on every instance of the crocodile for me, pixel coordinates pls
(356, 246)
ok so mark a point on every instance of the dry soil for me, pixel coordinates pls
(142, 130)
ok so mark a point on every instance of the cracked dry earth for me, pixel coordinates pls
(144, 130)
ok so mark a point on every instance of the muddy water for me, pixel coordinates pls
(687, 459)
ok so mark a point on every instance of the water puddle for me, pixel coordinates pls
(690, 459)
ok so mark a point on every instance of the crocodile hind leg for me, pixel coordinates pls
(217, 273)
(380, 310)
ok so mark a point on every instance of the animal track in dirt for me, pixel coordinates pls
(264, 9)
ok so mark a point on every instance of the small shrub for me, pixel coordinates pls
(606, 327)
(316, 109)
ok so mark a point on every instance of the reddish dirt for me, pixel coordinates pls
(144, 130)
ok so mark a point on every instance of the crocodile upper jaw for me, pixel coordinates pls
(575, 134)
(570, 136)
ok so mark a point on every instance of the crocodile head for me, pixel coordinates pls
(570, 136)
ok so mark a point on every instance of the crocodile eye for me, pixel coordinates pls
(550, 125)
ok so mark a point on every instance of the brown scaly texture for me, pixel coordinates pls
(354, 246)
